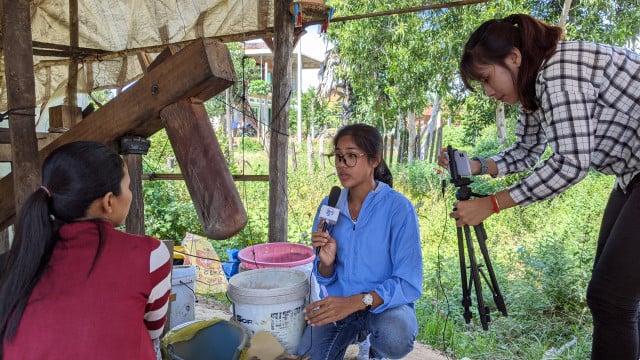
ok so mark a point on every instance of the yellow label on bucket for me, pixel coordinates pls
(201, 254)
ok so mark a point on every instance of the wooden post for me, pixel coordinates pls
(278, 213)
(205, 171)
(133, 147)
(21, 98)
(72, 83)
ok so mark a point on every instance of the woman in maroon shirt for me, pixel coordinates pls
(72, 286)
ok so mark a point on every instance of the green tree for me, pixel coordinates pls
(397, 63)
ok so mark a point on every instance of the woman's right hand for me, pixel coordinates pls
(327, 245)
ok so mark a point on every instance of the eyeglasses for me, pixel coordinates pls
(349, 159)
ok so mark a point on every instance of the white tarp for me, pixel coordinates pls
(124, 29)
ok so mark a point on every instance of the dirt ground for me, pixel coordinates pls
(207, 308)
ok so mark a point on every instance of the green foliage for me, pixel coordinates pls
(169, 211)
(259, 87)
(250, 144)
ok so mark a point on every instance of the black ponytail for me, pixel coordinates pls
(30, 252)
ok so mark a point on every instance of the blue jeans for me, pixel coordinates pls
(392, 334)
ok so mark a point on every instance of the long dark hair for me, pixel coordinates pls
(492, 42)
(73, 176)
(368, 139)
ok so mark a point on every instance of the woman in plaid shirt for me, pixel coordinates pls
(582, 100)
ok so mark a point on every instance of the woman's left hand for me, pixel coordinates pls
(472, 212)
(330, 309)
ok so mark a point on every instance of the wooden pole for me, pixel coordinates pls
(400, 11)
(134, 223)
(133, 148)
(278, 214)
(21, 98)
(72, 82)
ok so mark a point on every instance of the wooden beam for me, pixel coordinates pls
(213, 192)
(20, 88)
(399, 11)
(197, 72)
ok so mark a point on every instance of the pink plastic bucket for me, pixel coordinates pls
(275, 255)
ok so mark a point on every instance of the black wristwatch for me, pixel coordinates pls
(483, 164)
(367, 299)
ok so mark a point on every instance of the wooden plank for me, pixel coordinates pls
(199, 71)
(205, 170)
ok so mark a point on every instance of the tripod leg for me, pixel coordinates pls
(482, 310)
(495, 289)
(466, 289)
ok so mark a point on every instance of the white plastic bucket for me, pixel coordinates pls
(183, 279)
(308, 270)
(271, 300)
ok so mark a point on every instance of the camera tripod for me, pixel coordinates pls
(465, 237)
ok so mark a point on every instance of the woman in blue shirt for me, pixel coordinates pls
(582, 100)
(370, 261)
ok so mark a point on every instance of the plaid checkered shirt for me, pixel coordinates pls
(589, 116)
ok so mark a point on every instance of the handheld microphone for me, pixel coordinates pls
(329, 213)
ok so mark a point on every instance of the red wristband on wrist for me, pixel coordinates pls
(494, 202)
